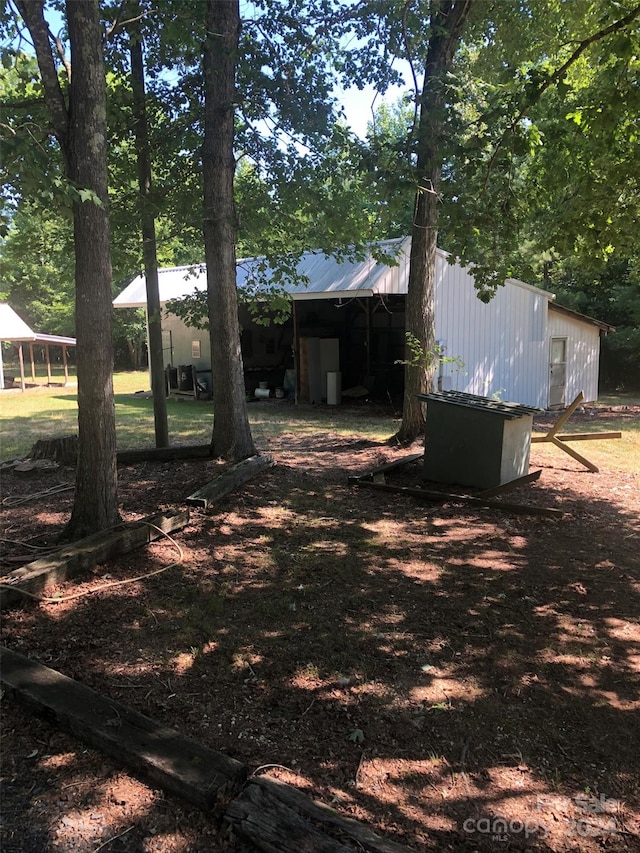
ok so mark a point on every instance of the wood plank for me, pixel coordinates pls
(389, 466)
(512, 484)
(164, 454)
(574, 453)
(564, 417)
(81, 556)
(323, 817)
(577, 436)
(446, 497)
(229, 480)
(177, 763)
(272, 826)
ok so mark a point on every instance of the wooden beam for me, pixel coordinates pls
(81, 556)
(23, 384)
(446, 497)
(276, 817)
(271, 815)
(65, 364)
(565, 416)
(164, 454)
(47, 356)
(229, 480)
(574, 453)
(368, 336)
(390, 466)
(554, 437)
(578, 436)
(512, 484)
(178, 764)
(296, 353)
(33, 364)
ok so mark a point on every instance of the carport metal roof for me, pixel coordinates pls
(14, 330)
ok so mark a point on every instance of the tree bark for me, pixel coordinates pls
(32, 13)
(95, 506)
(447, 22)
(231, 438)
(81, 131)
(148, 227)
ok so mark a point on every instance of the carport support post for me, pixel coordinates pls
(65, 365)
(368, 312)
(21, 360)
(46, 350)
(296, 358)
(33, 364)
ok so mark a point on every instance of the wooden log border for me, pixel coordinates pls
(79, 557)
(164, 454)
(449, 497)
(267, 813)
(175, 762)
(229, 480)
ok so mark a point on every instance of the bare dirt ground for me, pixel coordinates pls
(458, 678)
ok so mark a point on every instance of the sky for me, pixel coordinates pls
(358, 104)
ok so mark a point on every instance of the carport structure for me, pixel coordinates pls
(14, 330)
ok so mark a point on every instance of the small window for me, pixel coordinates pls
(558, 350)
(195, 349)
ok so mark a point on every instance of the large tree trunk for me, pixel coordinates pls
(95, 505)
(81, 131)
(447, 22)
(231, 433)
(148, 227)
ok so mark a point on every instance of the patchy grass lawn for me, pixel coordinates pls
(459, 679)
(46, 412)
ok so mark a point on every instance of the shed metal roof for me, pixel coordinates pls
(569, 312)
(327, 276)
(484, 404)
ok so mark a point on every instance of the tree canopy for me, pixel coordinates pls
(538, 149)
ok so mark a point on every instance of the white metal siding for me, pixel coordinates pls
(583, 354)
(181, 338)
(503, 344)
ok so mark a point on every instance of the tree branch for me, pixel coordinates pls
(557, 75)
(21, 105)
(61, 54)
(32, 13)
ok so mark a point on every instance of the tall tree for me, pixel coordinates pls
(481, 72)
(148, 227)
(231, 437)
(447, 20)
(79, 125)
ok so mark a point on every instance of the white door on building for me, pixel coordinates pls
(167, 347)
(557, 373)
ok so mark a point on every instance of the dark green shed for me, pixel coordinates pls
(475, 441)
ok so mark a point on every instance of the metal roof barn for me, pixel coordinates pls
(516, 346)
(326, 277)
